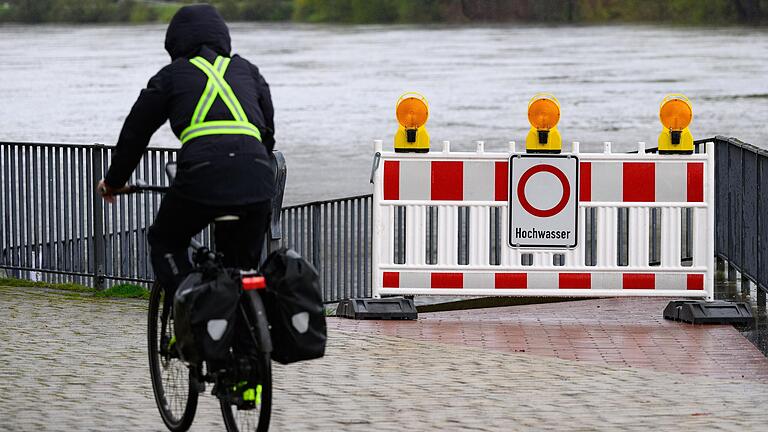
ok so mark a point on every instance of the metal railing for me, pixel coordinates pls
(335, 236)
(741, 209)
(56, 229)
(48, 224)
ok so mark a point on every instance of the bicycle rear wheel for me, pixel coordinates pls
(172, 380)
(257, 417)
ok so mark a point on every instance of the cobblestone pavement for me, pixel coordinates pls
(71, 363)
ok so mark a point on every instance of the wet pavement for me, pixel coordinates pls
(75, 363)
(735, 288)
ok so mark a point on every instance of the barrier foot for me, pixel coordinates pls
(708, 312)
(390, 308)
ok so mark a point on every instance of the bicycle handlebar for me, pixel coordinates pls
(140, 187)
(136, 188)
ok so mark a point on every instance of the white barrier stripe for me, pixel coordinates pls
(585, 157)
(480, 280)
(639, 224)
(647, 157)
(415, 181)
(543, 292)
(479, 181)
(443, 202)
(447, 235)
(699, 242)
(606, 236)
(607, 182)
(479, 235)
(562, 281)
(415, 235)
(670, 237)
(671, 182)
(391, 203)
(387, 233)
(542, 259)
(548, 269)
(671, 281)
(709, 196)
(641, 204)
(545, 281)
(575, 256)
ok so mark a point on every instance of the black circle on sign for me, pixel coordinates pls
(557, 207)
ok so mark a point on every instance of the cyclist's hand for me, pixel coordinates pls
(106, 191)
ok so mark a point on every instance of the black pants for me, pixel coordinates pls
(179, 219)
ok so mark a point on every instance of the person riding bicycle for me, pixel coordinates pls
(220, 107)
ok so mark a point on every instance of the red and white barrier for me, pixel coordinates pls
(448, 181)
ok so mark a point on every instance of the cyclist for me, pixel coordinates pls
(221, 109)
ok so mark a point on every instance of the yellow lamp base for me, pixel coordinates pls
(554, 143)
(685, 140)
(421, 144)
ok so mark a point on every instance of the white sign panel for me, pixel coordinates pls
(543, 201)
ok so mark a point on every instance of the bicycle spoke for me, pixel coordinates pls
(175, 398)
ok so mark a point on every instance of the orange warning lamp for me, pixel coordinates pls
(543, 115)
(412, 112)
(675, 114)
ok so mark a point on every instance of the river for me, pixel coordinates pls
(334, 87)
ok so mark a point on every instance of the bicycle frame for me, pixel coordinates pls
(257, 324)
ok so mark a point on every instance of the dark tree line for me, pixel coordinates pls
(399, 11)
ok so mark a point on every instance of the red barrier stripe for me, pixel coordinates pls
(447, 280)
(585, 182)
(448, 181)
(639, 182)
(575, 281)
(391, 180)
(502, 181)
(391, 280)
(511, 280)
(695, 281)
(639, 281)
(695, 182)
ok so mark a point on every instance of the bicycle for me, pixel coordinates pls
(245, 404)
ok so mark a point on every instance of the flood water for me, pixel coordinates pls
(735, 288)
(334, 87)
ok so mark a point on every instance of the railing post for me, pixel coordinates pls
(281, 171)
(745, 285)
(316, 230)
(97, 162)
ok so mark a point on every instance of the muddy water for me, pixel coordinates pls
(334, 86)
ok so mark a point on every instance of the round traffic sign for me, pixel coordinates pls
(557, 208)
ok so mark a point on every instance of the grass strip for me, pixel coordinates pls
(124, 291)
(117, 291)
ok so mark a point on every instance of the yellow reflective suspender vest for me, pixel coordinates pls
(217, 86)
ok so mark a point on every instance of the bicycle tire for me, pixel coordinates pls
(183, 397)
(256, 419)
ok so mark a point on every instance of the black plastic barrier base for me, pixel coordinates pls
(704, 312)
(379, 309)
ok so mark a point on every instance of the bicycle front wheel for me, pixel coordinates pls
(256, 417)
(172, 380)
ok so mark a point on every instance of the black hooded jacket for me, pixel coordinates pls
(213, 169)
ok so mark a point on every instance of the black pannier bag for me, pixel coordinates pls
(294, 307)
(204, 308)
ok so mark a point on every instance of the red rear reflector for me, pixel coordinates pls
(254, 282)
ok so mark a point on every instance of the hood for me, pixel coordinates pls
(194, 27)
